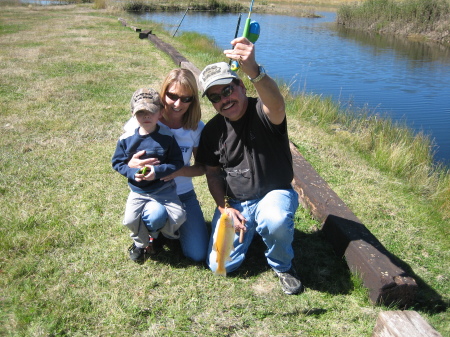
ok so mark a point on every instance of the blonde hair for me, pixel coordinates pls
(187, 80)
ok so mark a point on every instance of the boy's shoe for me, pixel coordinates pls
(290, 283)
(150, 249)
(136, 254)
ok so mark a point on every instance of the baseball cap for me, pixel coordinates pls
(216, 74)
(145, 99)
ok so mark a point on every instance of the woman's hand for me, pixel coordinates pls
(172, 175)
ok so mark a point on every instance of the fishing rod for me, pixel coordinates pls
(180, 22)
(237, 31)
(251, 32)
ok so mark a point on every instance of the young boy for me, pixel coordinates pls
(148, 192)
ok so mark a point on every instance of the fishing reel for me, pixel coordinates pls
(251, 32)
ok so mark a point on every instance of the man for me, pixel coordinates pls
(246, 152)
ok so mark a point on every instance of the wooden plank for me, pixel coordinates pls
(168, 49)
(381, 274)
(144, 34)
(191, 67)
(124, 23)
(403, 324)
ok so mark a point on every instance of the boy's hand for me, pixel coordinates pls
(145, 173)
(150, 174)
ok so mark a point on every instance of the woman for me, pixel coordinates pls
(181, 114)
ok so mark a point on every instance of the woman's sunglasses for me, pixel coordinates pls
(226, 92)
(184, 99)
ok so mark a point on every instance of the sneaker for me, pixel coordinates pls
(136, 254)
(290, 283)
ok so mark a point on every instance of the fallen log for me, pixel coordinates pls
(144, 34)
(403, 324)
(366, 257)
(191, 67)
(168, 49)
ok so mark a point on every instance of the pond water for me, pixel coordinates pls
(406, 80)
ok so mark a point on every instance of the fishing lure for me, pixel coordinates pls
(143, 170)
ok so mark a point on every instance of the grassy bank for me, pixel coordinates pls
(426, 18)
(67, 73)
(226, 6)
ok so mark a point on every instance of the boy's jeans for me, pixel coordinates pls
(193, 232)
(167, 214)
(272, 217)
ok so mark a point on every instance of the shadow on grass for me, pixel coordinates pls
(317, 265)
(170, 252)
(314, 259)
(427, 299)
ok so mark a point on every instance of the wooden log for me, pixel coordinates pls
(144, 34)
(403, 324)
(366, 257)
(168, 49)
(191, 67)
(124, 23)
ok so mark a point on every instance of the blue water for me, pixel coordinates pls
(407, 81)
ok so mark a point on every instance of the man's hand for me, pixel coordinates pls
(238, 219)
(244, 53)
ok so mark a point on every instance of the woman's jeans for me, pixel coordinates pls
(193, 232)
(272, 217)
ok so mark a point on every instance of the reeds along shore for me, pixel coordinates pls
(427, 18)
(390, 146)
(151, 6)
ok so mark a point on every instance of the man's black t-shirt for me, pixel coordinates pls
(254, 153)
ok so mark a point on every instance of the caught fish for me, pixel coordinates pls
(223, 242)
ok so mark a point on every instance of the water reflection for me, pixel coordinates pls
(423, 51)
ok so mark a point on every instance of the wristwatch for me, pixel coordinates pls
(262, 73)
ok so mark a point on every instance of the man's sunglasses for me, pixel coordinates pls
(184, 99)
(226, 92)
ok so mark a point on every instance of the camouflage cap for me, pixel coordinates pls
(216, 74)
(145, 99)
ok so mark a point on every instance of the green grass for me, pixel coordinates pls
(64, 269)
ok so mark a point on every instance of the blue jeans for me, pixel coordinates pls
(167, 212)
(193, 232)
(272, 217)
